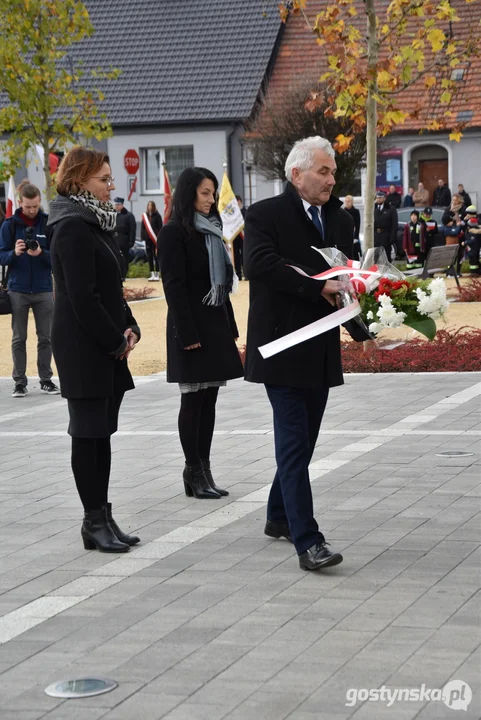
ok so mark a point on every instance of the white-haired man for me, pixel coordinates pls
(280, 232)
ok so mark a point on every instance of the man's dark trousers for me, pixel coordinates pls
(297, 418)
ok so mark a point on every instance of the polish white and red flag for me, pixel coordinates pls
(11, 198)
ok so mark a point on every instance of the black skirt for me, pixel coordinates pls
(94, 417)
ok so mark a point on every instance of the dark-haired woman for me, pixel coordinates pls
(93, 332)
(151, 226)
(198, 277)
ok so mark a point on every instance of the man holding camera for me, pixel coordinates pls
(24, 248)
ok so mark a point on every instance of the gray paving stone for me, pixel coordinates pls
(227, 626)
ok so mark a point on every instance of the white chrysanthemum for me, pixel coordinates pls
(370, 315)
(375, 328)
(433, 303)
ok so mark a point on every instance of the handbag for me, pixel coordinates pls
(5, 302)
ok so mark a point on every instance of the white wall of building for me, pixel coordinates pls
(209, 151)
(464, 158)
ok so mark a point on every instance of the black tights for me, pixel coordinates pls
(196, 424)
(91, 469)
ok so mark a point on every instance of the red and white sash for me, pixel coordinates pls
(148, 227)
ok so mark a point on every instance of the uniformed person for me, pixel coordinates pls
(385, 225)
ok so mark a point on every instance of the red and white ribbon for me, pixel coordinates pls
(148, 227)
(359, 280)
(359, 277)
(309, 331)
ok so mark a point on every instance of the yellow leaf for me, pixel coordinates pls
(436, 37)
(445, 97)
(456, 136)
(343, 142)
(430, 81)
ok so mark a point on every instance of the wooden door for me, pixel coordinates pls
(429, 173)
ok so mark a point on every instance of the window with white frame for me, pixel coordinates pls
(176, 160)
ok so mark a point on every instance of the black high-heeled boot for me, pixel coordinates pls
(97, 533)
(196, 483)
(210, 479)
(123, 537)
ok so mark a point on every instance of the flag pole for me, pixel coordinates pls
(230, 245)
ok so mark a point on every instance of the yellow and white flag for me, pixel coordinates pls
(229, 210)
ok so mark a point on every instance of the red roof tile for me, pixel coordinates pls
(299, 55)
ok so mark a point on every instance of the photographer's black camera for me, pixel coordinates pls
(30, 242)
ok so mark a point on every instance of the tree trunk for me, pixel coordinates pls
(371, 123)
(46, 173)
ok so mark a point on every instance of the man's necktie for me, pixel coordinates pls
(314, 213)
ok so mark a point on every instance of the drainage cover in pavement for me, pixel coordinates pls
(454, 453)
(83, 687)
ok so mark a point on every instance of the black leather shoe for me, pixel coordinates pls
(196, 483)
(97, 533)
(318, 557)
(123, 537)
(277, 530)
(210, 479)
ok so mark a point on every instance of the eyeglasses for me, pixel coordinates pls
(108, 180)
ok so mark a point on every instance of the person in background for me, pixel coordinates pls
(151, 226)
(457, 205)
(464, 195)
(356, 216)
(408, 199)
(2, 215)
(472, 238)
(124, 232)
(24, 248)
(198, 277)
(431, 230)
(393, 198)
(93, 333)
(239, 244)
(452, 232)
(441, 195)
(385, 225)
(421, 196)
(413, 241)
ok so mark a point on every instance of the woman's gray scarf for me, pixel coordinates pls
(104, 211)
(222, 276)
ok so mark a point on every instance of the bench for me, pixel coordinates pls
(439, 259)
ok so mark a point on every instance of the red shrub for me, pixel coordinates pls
(471, 292)
(137, 293)
(450, 351)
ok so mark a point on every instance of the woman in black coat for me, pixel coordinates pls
(151, 226)
(198, 276)
(93, 332)
(356, 216)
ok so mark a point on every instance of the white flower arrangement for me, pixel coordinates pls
(387, 316)
(433, 303)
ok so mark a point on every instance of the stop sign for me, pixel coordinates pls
(131, 161)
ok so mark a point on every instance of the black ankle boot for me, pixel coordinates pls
(210, 479)
(196, 483)
(97, 533)
(123, 537)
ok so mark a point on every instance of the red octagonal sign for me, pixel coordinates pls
(131, 161)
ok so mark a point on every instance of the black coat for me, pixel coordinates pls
(278, 233)
(90, 313)
(184, 266)
(124, 234)
(442, 196)
(356, 216)
(156, 222)
(385, 227)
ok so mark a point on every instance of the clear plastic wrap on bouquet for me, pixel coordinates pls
(364, 274)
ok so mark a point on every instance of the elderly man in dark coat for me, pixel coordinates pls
(280, 232)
